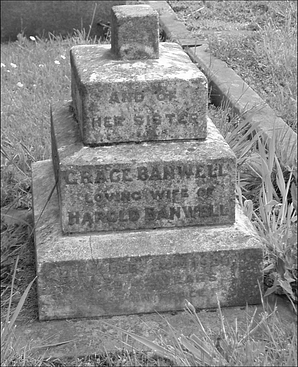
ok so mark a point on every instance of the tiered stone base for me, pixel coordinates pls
(129, 272)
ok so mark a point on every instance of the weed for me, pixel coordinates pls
(232, 347)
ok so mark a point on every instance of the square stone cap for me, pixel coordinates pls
(133, 11)
(134, 32)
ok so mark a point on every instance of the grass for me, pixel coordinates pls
(256, 39)
(233, 347)
(35, 74)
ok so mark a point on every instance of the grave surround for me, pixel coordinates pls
(140, 170)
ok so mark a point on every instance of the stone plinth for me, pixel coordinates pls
(147, 185)
(137, 100)
(134, 32)
(140, 271)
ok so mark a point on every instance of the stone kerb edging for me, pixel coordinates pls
(229, 87)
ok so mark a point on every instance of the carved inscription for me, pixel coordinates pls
(139, 96)
(151, 214)
(160, 94)
(141, 119)
(144, 173)
(149, 196)
(158, 273)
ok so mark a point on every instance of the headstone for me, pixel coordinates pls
(145, 186)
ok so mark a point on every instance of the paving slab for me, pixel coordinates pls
(146, 185)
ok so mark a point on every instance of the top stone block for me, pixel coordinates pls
(134, 32)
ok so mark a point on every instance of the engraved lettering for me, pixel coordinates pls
(136, 195)
(174, 212)
(222, 210)
(193, 117)
(139, 96)
(185, 171)
(161, 96)
(133, 214)
(100, 177)
(188, 212)
(157, 195)
(69, 179)
(87, 219)
(215, 211)
(171, 94)
(88, 199)
(200, 172)
(168, 172)
(162, 214)
(206, 211)
(155, 174)
(99, 216)
(170, 116)
(182, 118)
(211, 171)
(98, 197)
(125, 173)
(118, 120)
(107, 121)
(175, 192)
(139, 119)
(112, 216)
(73, 218)
(156, 118)
(114, 175)
(98, 122)
(196, 210)
(114, 98)
(110, 196)
(149, 214)
(86, 177)
(122, 217)
(125, 196)
(184, 193)
(142, 173)
(126, 97)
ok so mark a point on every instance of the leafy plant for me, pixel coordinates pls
(275, 219)
(233, 346)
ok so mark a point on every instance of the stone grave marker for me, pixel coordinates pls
(144, 214)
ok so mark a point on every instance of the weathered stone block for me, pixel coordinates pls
(139, 271)
(147, 185)
(134, 32)
(137, 100)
